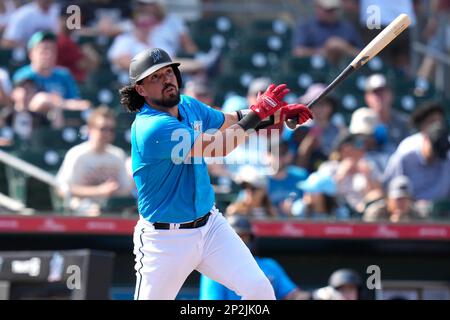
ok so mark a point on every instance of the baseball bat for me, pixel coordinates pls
(397, 26)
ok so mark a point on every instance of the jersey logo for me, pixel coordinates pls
(197, 126)
(156, 55)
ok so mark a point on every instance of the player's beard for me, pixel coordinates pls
(168, 101)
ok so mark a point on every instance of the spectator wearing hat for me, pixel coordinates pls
(57, 82)
(427, 166)
(284, 287)
(398, 205)
(322, 133)
(255, 201)
(326, 34)
(379, 97)
(357, 177)
(38, 15)
(319, 199)
(425, 115)
(365, 123)
(343, 284)
(153, 27)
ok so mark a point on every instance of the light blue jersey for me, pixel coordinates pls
(59, 81)
(169, 189)
(281, 283)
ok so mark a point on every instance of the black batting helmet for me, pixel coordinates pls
(149, 61)
(343, 277)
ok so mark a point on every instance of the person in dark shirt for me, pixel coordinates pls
(326, 34)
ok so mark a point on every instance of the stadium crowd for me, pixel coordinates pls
(377, 149)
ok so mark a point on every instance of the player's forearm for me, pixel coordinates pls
(219, 144)
(230, 119)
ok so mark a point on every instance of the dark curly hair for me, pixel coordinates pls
(420, 115)
(130, 99)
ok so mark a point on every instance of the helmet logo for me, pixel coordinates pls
(156, 55)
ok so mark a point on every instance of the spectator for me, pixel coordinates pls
(80, 60)
(351, 12)
(284, 287)
(343, 284)
(365, 122)
(255, 202)
(199, 90)
(7, 7)
(376, 15)
(56, 81)
(95, 169)
(421, 118)
(356, 176)
(38, 15)
(23, 117)
(398, 206)
(326, 34)
(379, 97)
(254, 150)
(319, 199)
(152, 27)
(103, 18)
(436, 33)
(318, 142)
(282, 184)
(235, 103)
(427, 165)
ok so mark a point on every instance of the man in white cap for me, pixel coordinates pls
(380, 98)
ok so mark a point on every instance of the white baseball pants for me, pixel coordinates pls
(165, 258)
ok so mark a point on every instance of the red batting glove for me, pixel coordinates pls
(270, 101)
(297, 112)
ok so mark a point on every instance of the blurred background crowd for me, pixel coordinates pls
(377, 149)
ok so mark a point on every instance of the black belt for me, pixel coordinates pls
(200, 222)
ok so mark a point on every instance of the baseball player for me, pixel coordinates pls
(283, 286)
(179, 229)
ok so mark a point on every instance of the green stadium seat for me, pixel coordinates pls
(122, 140)
(124, 120)
(441, 210)
(299, 82)
(213, 25)
(59, 140)
(264, 43)
(5, 57)
(232, 83)
(123, 205)
(255, 63)
(73, 118)
(34, 193)
(270, 27)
